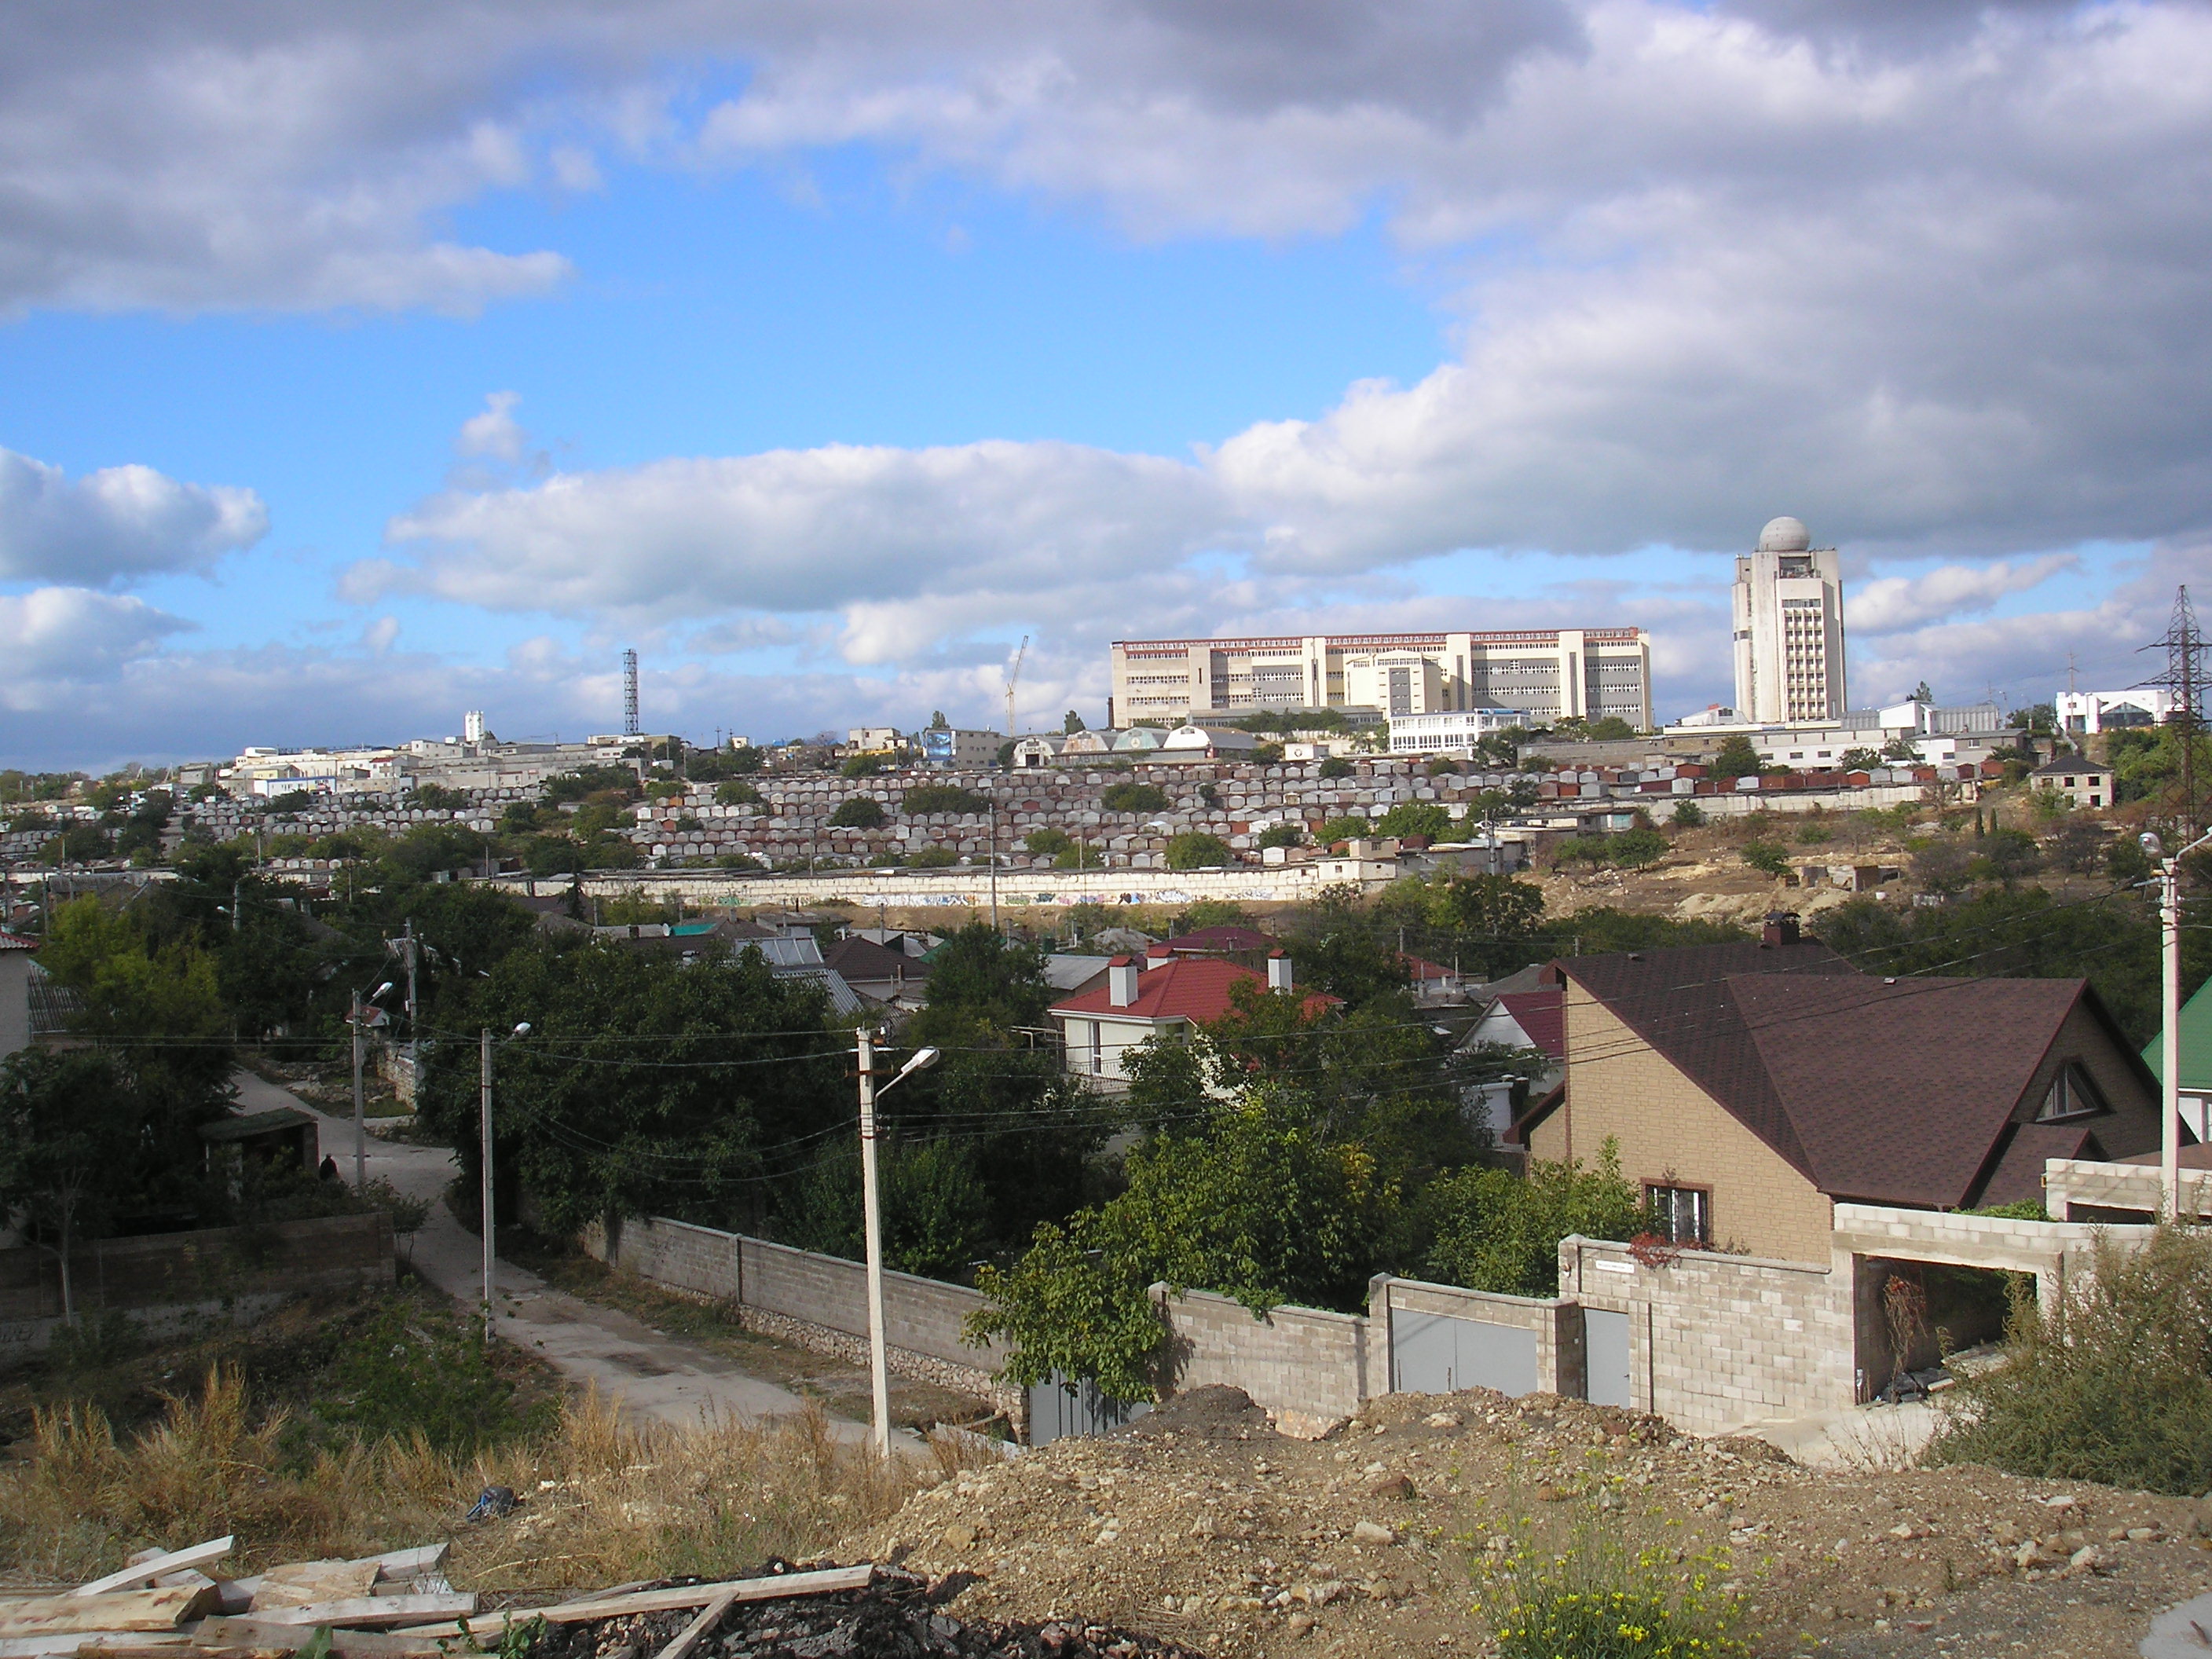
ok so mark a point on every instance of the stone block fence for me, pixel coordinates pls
(1713, 1343)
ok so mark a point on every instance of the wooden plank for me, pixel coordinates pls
(411, 1564)
(688, 1638)
(307, 1584)
(131, 1610)
(146, 1572)
(355, 1644)
(373, 1611)
(69, 1641)
(828, 1581)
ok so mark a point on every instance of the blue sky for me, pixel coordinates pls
(822, 354)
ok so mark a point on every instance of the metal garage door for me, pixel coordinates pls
(1605, 1345)
(1434, 1353)
(1057, 1411)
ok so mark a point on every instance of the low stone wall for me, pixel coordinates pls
(2074, 1189)
(818, 1302)
(1308, 1367)
(217, 1269)
(1719, 1341)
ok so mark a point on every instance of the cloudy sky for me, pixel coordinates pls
(361, 365)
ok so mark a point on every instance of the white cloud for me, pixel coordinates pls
(55, 639)
(379, 636)
(494, 434)
(118, 524)
(1885, 604)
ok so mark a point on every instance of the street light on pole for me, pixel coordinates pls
(484, 1189)
(359, 1115)
(879, 1385)
(2169, 1043)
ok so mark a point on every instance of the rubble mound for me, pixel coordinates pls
(901, 1615)
(1216, 1412)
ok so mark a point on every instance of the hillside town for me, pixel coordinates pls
(1105, 832)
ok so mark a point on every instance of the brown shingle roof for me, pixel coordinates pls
(1896, 1091)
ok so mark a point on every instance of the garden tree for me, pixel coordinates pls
(1769, 858)
(1134, 798)
(1920, 693)
(1416, 817)
(736, 792)
(585, 782)
(1442, 766)
(1046, 844)
(158, 1007)
(1900, 749)
(2039, 718)
(1861, 759)
(938, 722)
(81, 843)
(861, 766)
(1253, 1205)
(1688, 815)
(140, 839)
(1193, 849)
(1611, 726)
(1343, 829)
(1736, 759)
(1602, 930)
(1498, 749)
(2078, 846)
(1029, 1127)
(647, 1085)
(1498, 1231)
(1282, 835)
(1486, 921)
(1210, 913)
(1337, 767)
(859, 812)
(1073, 724)
(925, 799)
(1942, 865)
(72, 1144)
(935, 1207)
(1335, 948)
(2009, 854)
(712, 765)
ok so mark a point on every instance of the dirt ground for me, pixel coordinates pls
(1201, 1525)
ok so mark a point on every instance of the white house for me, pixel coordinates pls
(1454, 729)
(1152, 996)
(2082, 781)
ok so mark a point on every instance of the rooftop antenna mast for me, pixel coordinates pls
(630, 727)
(1013, 679)
(2183, 646)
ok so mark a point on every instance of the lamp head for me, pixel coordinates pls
(522, 1030)
(381, 990)
(922, 1060)
(2151, 844)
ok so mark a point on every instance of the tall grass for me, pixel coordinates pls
(604, 1499)
(2112, 1383)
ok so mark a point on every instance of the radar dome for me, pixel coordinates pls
(1785, 535)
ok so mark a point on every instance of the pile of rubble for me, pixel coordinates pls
(397, 1605)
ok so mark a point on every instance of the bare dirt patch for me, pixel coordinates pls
(1202, 1525)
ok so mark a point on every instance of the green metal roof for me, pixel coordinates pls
(2196, 1043)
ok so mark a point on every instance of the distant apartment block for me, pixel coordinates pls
(1548, 674)
(1789, 627)
(959, 747)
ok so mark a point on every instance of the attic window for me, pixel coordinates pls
(2073, 1094)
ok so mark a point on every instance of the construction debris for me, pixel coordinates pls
(396, 1606)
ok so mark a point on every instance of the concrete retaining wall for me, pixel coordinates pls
(2076, 1190)
(1308, 1367)
(818, 1302)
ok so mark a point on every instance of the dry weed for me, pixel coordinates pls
(604, 1497)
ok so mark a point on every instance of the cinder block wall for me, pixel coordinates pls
(1307, 1366)
(1719, 1341)
(2076, 1189)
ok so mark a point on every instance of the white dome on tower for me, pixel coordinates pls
(1785, 535)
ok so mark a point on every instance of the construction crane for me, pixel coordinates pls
(1013, 679)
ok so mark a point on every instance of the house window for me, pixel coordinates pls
(2073, 1094)
(1683, 1214)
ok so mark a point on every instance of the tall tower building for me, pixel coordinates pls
(630, 694)
(1788, 612)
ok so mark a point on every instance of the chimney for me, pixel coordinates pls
(1278, 971)
(1156, 954)
(1780, 928)
(1121, 982)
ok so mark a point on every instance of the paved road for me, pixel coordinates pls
(651, 1374)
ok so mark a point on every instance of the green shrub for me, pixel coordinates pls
(1134, 798)
(1416, 817)
(2112, 1383)
(859, 812)
(1047, 844)
(861, 766)
(1499, 1231)
(1583, 1586)
(1631, 849)
(1344, 828)
(1282, 835)
(933, 858)
(1768, 857)
(1336, 767)
(1688, 815)
(408, 1369)
(1195, 850)
(1815, 834)
(1442, 766)
(926, 798)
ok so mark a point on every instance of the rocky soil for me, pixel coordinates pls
(1202, 1526)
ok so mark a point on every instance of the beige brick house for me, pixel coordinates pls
(1751, 1086)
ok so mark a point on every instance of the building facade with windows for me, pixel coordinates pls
(1548, 674)
(1788, 610)
(1461, 729)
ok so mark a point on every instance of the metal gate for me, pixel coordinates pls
(1058, 1409)
(1604, 1349)
(1435, 1353)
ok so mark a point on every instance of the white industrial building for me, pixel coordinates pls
(1456, 731)
(2086, 713)
(1789, 627)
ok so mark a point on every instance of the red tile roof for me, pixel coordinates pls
(1541, 1016)
(1196, 988)
(16, 942)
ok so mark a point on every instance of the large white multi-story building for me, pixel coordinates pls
(1548, 674)
(2087, 712)
(1788, 618)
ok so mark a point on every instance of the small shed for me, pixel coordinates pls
(283, 1138)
